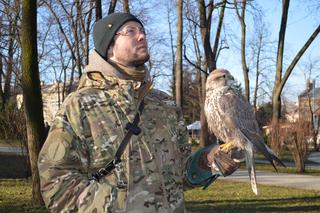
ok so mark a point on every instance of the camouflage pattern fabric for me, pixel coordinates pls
(85, 136)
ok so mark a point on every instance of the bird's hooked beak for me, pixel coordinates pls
(230, 81)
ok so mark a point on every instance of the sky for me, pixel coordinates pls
(301, 24)
(302, 21)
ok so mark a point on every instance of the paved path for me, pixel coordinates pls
(279, 179)
(269, 178)
(12, 150)
(314, 157)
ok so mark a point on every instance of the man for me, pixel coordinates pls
(92, 123)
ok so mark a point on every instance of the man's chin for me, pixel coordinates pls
(141, 60)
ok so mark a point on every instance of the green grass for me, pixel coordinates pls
(229, 196)
(221, 196)
(16, 196)
(285, 156)
(291, 170)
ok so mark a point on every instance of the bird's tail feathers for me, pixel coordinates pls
(266, 151)
(251, 167)
(275, 159)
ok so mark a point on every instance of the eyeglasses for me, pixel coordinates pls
(132, 31)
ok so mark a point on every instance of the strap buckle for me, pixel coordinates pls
(133, 128)
(96, 176)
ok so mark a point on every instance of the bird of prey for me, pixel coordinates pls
(231, 118)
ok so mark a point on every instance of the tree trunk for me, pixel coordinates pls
(277, 106)
(31, 91)
(1, 91)
(173, 83)
(299, 155)
(126, 7)
(245, 68)
(7, 82)
(77, 40)
(255, 94)
(205, 27)
(313, 127)
(204, 133)
(87, 32)
(1, 69)
(112, 6)
(279, 82)
(216, 47)
(211, 56)
(178, 64)
(98, 9)
(276, 100)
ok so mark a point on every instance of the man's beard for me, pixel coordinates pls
(141, 61)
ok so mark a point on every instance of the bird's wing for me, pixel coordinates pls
(239, 116)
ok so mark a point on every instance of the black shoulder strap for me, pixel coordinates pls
(132, 129)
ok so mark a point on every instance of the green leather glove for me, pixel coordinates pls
(207, 164)
(197, 171)
(225, 163)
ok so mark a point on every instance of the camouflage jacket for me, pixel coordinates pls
(85, 135)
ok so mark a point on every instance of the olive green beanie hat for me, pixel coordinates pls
(105, 29)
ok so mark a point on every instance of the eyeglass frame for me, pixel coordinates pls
(135, 32)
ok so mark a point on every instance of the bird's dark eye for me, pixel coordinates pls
(224, 76)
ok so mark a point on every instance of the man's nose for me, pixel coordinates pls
(141, 36)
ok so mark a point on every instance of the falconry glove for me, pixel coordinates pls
(223, 162)
(207, 164)
(197, 171)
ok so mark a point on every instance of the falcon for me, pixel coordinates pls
(231, 119)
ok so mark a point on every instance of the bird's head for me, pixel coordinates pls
(219, 78)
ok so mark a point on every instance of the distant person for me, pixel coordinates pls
(81, 166)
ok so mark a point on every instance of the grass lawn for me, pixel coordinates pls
(229, 196)
(222, 196)
(15, 196)
(285, 156)
(291, 170)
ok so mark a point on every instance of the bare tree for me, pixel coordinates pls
(245, 69)
(211, 54)
(74, 22)
(1, 69)
(178, 63)
(261, 50)
(173, 54)
(9, 43)
(112, 6)
(98, 9)
(313, 105)
(281, 79)
(126, 7)
(294, 136)
(31, 91)
(7, 82)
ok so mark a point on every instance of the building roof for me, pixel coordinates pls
(194, 126)
(313, 93)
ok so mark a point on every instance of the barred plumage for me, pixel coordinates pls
(231, 118)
